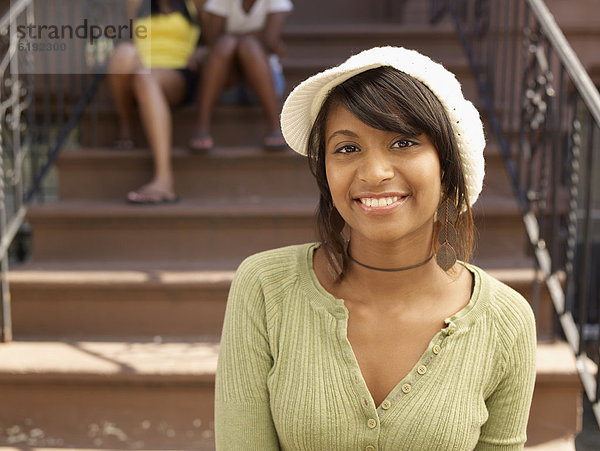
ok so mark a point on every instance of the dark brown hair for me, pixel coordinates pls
(388, 99)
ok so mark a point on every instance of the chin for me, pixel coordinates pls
(394, 233)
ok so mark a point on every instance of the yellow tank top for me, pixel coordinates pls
(171, 39)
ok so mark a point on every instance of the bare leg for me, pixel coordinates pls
(216, 72)
(254, 63)
(156, 93)
(123, 64)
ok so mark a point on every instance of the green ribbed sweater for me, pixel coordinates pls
(288, 379)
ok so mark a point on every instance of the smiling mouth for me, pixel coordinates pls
(380, 204)
(378, 201)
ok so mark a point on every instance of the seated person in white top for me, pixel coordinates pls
(245, 39)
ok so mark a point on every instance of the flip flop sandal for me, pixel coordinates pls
(201, 142)
(150, 197)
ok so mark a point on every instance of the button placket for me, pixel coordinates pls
(420, 371)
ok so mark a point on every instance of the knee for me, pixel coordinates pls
(225, 46)
(250, 49)
(141, 80)
(125, 59)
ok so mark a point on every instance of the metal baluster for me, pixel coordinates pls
(586, 261)
(557, 106)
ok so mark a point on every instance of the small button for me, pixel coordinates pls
(436, 349)
(451, 331)
(406, 388)
(422, 370)
(370, 448)
(385, 405)
(372, 423)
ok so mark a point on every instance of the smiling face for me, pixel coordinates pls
(392, 156)
(385, 185)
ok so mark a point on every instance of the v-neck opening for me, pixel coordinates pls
(249, 12)
(434, 346)
(424, 359)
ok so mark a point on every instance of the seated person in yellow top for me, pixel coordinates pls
(158, 72)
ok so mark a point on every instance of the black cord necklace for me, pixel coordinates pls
(404, 268)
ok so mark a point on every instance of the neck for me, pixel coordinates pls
(374, 268)
(389, 288)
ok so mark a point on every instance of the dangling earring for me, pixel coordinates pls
(448, 238)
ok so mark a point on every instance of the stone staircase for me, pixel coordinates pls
(117, 316)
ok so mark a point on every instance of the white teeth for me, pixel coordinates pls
(380, 202)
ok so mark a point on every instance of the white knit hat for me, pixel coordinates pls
(303, 104)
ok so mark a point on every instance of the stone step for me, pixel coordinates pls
(223, 173)
(218, 231)
(54, 301)
(131, 395)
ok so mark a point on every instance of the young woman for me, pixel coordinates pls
(243, 63)
(159, 72)
(378, 338)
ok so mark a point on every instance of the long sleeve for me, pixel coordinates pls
(508, 406)
(243, 418)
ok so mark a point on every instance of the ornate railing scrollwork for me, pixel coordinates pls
(37, 115)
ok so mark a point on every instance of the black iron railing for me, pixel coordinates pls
(545, 112)
(41, 103)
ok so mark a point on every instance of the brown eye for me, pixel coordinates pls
(346, 149)
(403, 143)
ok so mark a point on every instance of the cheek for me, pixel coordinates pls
(337, 183)
(427, 174)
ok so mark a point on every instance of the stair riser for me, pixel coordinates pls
(240, 128)
(213, 239)
(73, 310)
(555, 410)
(441, 47)
(310, 12)
(173, 416)
(268, 176)
(499, 238)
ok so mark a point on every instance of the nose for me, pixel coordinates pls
(376, 167)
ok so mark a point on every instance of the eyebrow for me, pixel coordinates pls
(342, 132)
